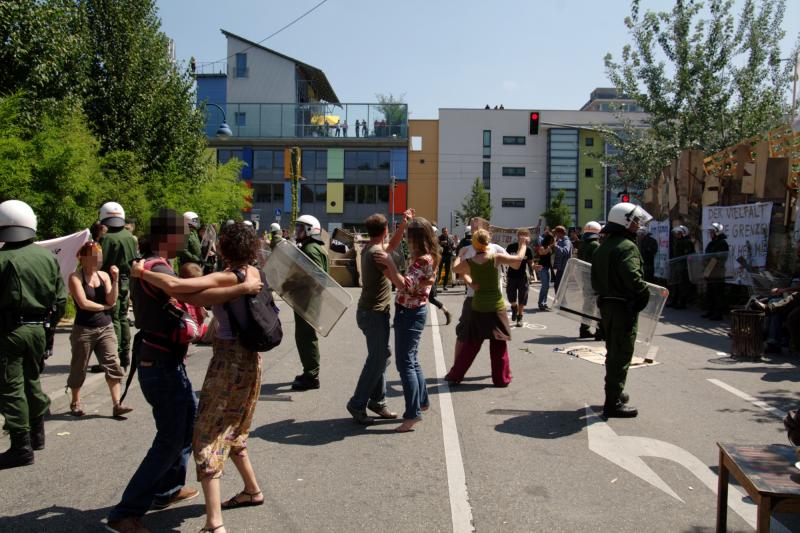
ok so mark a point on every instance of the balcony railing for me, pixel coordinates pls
(320, 120)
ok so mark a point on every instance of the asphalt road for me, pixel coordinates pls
(530, 457)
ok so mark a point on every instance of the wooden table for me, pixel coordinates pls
(768, 475)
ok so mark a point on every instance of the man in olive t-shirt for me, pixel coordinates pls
(372, 317)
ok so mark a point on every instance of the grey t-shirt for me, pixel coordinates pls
(376, 294)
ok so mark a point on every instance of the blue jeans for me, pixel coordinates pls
(408, 327)
(544, 276)
(162, 473)
(371, 386)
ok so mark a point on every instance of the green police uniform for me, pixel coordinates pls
(119, 248)
(585, 252)
(32, 288)
(618, 280)
(274, 238)
(305, 336)
(192, 253)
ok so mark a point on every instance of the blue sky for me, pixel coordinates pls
(523, 54)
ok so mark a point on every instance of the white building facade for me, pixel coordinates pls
(521, 171)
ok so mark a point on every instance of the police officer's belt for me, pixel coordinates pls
(31, 319)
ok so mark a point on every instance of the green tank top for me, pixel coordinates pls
(488, 297)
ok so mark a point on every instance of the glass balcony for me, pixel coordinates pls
(312, 120)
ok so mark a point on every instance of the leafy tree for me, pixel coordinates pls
(136, 98)
(393, 108)
(558, 214)
(476, 204)
(636, 156)
(706, 80)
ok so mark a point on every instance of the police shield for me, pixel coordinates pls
(577, 300)
(708, 267)
(309, 290)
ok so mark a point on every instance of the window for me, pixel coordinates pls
(320, 193)
(589, 141)
(383, 160)
(513, 202)
(349, 193)
(322, 160)
(308, 160)
(588, 172)
(350, 160)
(487, 143)
(487, 175)
(513, 140)
(223, 156)
(306, 194)
(383, 194)
(241, 66)
(416, 143)
(367, 160)
(277, 193)
(261, 194)
(367, 194)
(513, 171)
(262, 159)
(587, 204)
(240, 118)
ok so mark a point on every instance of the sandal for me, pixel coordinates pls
(75, 409)
(233, 503)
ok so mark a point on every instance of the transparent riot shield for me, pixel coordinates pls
(707, 267)
(311, 292)
(209, 242)
(576, 300)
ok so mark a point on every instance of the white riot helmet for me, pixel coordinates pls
(716, 227)
(592, 227)
(17, 221)
(625, 214)
(311, 226)
(681, 230)
(192, 218)
(112, 215)
(274, 227)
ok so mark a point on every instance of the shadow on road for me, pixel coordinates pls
(57, 518)
(543, 424)
(317, 432)
(555, 339)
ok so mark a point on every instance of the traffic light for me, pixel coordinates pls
(624, 197)
(534, 123)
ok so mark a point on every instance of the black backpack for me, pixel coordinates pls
(264, 332)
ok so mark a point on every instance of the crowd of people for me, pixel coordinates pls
(220, 273)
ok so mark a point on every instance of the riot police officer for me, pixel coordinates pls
(618, 280)
(192, 252)
(308, 233)
(33, 294)
(119, 249)
(274, 235)
(590, 242)
(715, 275)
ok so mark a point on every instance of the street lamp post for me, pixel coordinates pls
(224, 130)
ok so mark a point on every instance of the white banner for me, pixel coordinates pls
(747, 230)
(660, 231)
(66, 249)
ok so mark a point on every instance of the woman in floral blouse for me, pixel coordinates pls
(411, 311)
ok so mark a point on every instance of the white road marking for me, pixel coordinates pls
(460, 509)
(627, 452)
(744, 396)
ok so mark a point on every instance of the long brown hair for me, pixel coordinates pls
(422, 240)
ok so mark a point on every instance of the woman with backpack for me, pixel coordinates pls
(232, 383)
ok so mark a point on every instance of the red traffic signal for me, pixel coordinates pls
(624, 197)
(534, 123)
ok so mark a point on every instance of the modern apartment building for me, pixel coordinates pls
(522, 172)
(273, 102)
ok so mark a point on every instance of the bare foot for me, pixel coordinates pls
(407, 425)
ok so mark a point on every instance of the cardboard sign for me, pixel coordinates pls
(660, 231)
(747, 230)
